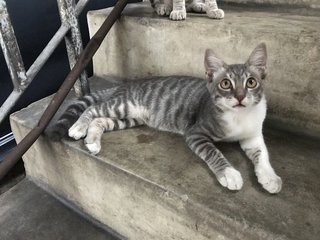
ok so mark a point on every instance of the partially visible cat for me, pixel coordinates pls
(229, 106)
(177, 9)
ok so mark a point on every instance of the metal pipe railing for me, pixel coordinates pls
(11, 49)
(14, 69)
(13, 157)
(73, 43)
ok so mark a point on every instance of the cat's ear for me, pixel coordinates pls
(212, 64)
(258, 59)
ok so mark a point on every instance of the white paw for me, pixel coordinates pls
(269, 180)
(215, 13)
(78, 130)
(231, 178)
(178, 15)
(93, 148)
(163, 9)
(199, 7)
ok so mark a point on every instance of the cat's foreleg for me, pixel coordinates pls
(99, 125)
(257, 152)
(227, 175)
(179, 10)
(212, 9)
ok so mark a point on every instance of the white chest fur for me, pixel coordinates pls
(244, 122)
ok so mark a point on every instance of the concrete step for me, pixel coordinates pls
(28, 212)
(147, 184)
(309, 4)
(142, 43)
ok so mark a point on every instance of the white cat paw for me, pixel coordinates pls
(177, 15)
(269, 180)
(93, 148)
(163, 9)
(78, 130)
(215, 13)
(199, 7)
(231, 179)
(92, 143)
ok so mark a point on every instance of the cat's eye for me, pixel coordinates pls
(225, 84)
(251, 83)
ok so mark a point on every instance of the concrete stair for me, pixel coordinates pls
(309, 4)
(142, 44)
(147, 184)
(28, 212)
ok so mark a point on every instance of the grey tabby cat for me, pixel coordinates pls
(177, 9)
(229, 106)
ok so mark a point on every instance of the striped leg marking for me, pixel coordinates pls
(219, 165)
(257, 152)
(99, 125)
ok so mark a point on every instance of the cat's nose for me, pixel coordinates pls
(240, 98)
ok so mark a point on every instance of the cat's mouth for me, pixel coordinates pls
(239, 105)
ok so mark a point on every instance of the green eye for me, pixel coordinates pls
(225, 84)
(251, 83)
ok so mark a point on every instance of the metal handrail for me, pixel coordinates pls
(22, 79)
(13, 157)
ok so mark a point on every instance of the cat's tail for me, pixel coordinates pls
(59, 129)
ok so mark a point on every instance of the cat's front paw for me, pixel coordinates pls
(231, 179)
(177, 15)
(215, 13)
(163, 9)
(199, 7)
(269, 180)
(78, 130)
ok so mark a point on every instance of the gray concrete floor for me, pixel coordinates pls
(28, 212)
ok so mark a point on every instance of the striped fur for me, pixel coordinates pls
(177, 9)
(229, 106)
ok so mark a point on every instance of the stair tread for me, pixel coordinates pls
(28, 212)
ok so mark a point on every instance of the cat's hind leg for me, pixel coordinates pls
(99, 125)
(212, 9)
(113, 108)
(79, 128)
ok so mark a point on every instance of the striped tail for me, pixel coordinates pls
(60, 128)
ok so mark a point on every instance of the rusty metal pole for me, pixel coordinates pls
(73, 43)
(11, 49)
(8, 45)
(85, 57)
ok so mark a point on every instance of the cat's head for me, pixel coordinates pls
(236, 86)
